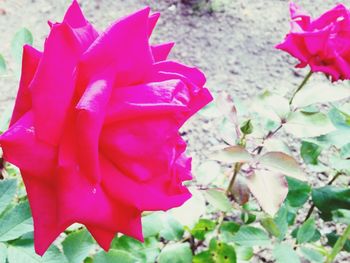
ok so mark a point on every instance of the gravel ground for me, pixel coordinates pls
(234, 45)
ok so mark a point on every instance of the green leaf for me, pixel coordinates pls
(203, 227)
(284, 253)
(228, 230)
(176, 253)
(232, 154)
(218, 200)
(244, 253)
(222, 252)
(251, 236)
(22, 37)
(152, 224)
(330, 198)
(7, 192)
(269, 188)
(321, 93)
(298, 193)
(2, 64)
(145, 252)
(16, 222)
(332, 239)
(282, 163)
(247, 127)
(341, 216)
(114, 256)
(304, 125)
(306, 231)
(203, 257)
(172, 229)
(3, 253)
(77, 246)
(311, 254)
(22, 251)
(310, 152)
(270, 226)
(282, 222)
(207, 172)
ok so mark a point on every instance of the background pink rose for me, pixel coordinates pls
(95, 127)
(322, 43)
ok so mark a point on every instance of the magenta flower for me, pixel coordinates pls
(322, 43)
(95, 127)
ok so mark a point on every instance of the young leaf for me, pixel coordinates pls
(284, 253)
(251, 236)
(247, 127)
(175, 253)
(282, 163)
(7, 192)
(240, 190)
(16, 222)
(272, 106)
(77, 246)
(298, 192)
(320, 93)
(310, 152)
(218, 199)
(306, 231)
(232, 154)
(269, 188)
(22, 37)
(304, 125)
(276, 145)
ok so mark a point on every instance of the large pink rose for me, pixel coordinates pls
(322, 43)
(95, 127)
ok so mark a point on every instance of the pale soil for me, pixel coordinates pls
(234, 47)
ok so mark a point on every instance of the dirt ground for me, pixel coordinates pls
(234, 45)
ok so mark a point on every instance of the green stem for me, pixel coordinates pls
(338, 246)
(302, 84)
